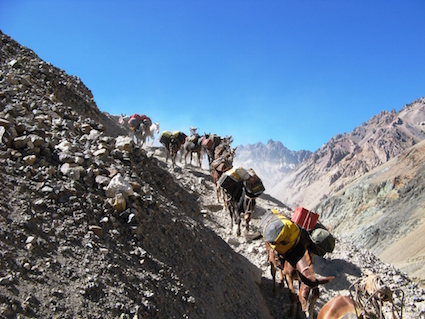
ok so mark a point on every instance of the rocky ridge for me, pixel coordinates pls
(349, 156)
(93, 226)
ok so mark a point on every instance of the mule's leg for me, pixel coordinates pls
(247, 216)
(173, 158)
(273, 273)
(272, 258)
(229, 208)
(198, 154)
(234, 214)
(142, 138)
(221, 194)
(238, 221)
(295, 308)
(249, 211)
(185, 157)
(282, 278)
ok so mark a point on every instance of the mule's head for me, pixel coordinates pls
(121, 119)
(309, 293)
(308, 297)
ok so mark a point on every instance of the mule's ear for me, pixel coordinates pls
(325, 280)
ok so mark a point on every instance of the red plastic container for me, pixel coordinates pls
(305, 218)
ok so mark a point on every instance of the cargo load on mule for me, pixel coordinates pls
(237, 178)
(136, 120)
(305, 218)
(221, 164)
(322, 241)
(253, 184)
(208, 143)
(232, 181)
(279, 231)
(165, 138)
(179, 136)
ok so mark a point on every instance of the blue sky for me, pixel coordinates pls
(298, 72)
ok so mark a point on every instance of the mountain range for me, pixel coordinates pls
(271, 161)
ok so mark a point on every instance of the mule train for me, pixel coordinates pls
(290, 249)
(142, 129)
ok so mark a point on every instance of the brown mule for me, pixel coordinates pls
(339, 307)
(308, 291)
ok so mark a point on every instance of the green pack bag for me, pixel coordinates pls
(323, 242)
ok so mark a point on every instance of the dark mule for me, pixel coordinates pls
(303, 272)
(174, 147)
(172, 144)
(242, 204)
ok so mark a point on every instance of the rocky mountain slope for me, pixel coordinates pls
(384, 211)
(272, 161)
(348, 156)
(93, 226)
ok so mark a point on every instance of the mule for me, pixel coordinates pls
(339, 307)
(366, 302)
(209, 144)
(172, 146)
(244, 205)
(308, 291)
(193, 144)
(123, 120)
(221, 164)
(142, 133)
(223, 149)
